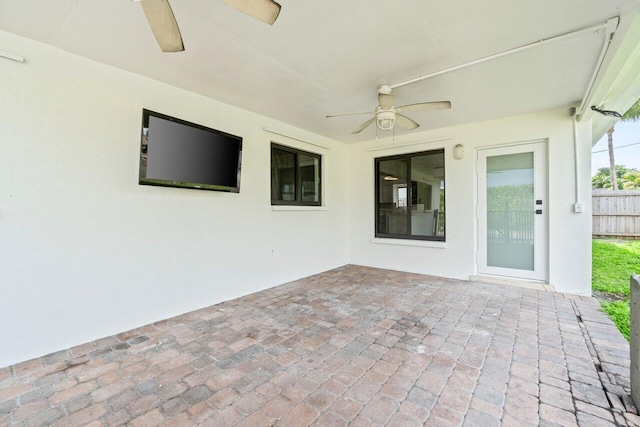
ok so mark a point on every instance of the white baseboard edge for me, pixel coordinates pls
(509, 281)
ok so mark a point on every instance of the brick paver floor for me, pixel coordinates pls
(352, 346)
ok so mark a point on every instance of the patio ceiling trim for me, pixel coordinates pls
(11, 56)
(275, 132)
(405, 144)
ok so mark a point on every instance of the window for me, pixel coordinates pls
(295, 177)
(410, 197)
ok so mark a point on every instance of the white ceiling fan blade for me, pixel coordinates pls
(263, 10)
(406, 122)
(350, 114)
(424, 106)
(385, 100)
(363, 126)
(163, 25)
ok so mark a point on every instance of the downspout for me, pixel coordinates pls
(577, 206)
(610, 29)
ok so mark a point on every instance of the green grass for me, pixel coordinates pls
(619, 312)
(613, 263)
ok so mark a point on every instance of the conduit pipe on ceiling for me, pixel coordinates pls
(610, 28)
(511, 51)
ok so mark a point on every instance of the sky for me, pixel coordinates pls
(625, 134)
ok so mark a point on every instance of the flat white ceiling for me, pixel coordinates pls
(330, 57)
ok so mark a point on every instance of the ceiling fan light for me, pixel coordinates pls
(385, 120)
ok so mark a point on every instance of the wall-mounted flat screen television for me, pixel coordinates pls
(177, 153)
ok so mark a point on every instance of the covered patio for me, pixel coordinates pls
(352, 346)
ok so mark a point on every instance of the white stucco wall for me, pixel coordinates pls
(86, 252)
(569, 232)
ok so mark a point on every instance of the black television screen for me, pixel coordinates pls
(177, 153)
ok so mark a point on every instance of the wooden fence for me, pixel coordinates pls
(616, 213)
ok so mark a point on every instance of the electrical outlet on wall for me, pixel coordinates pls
(577, 207)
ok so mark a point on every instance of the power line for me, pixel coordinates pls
(615, 148)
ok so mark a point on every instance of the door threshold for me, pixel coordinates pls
(512, 281)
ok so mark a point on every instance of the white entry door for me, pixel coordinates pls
(512, 211)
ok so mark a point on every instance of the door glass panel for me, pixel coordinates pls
(392, 197)
(427, 195)
(510, 211)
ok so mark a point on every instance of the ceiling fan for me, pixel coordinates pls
(386, 115)
(165, 27)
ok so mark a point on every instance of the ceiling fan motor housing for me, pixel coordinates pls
(385, 120)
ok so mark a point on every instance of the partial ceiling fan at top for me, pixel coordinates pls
(386, 115)
(165, 27)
